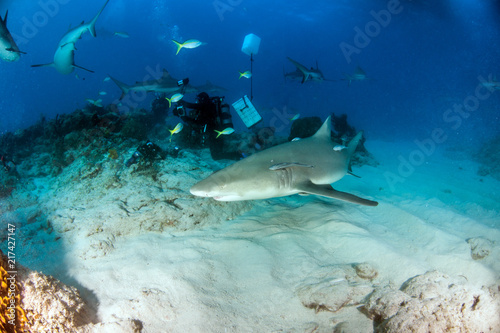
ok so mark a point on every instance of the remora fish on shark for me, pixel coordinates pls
(306, 166)
(64, 58)
(8, 47)
(166, 84)
(305, 74)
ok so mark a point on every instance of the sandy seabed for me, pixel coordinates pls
(114, 249)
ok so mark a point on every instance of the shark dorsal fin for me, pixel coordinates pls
(360, 70)
(325, 129)
(166, 74)
(5, 17)
(351, 146)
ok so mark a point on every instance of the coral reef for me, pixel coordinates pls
(435, 302)
(41, 303)
(366, 271)
(12, 315)
(480, 247)
(112, 153)
(51, 305)
(333, 288)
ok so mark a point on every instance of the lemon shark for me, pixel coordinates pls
(166, 85)
(304, 73)
(8, 47)
(306, 166)
(64, 58)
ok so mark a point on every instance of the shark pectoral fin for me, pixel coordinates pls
(285, 165)
(85, 69)
(44, 65)
(10, 49)
(352, 174)
(328, 191)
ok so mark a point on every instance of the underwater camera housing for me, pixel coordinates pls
(225, 120)
(179, 111)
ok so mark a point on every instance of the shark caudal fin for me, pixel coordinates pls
(123, 87)
(91, 25)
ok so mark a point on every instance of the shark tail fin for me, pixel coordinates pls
(123, 87)
(179, 46)
(94, 20)
(351, 147)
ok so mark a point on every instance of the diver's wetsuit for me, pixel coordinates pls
(205, 118)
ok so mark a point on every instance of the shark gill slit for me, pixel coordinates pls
(285, 178)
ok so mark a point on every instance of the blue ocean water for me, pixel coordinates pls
(422, 58)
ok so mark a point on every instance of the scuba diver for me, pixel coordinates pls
(149, 152)
(205, 117)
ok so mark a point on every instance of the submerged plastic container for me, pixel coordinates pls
(251, 44)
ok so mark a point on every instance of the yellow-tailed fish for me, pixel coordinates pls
(176, 129)
(189, 44)
(102, 93)
(175, 98)
(297, 116)
(106, 79)
(226, 131)
(246, 74)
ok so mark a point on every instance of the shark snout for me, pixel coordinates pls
(199, 192)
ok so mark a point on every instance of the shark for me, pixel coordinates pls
(491, 84)
(305, 74)
(8, 47)
(358, 75)
(307, 166)
(64, 57)
(209, 87)
(166, 84)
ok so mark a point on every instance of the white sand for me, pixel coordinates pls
(147, 250)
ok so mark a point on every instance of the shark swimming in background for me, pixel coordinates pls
(491, 84)
(209, 87)
(8, 47)
(64, 58)
(166, 84)
(358, 75)
(306, 166)
(305, 74)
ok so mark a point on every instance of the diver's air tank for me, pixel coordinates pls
(225, 117)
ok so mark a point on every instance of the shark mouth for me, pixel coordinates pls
(228, 197)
